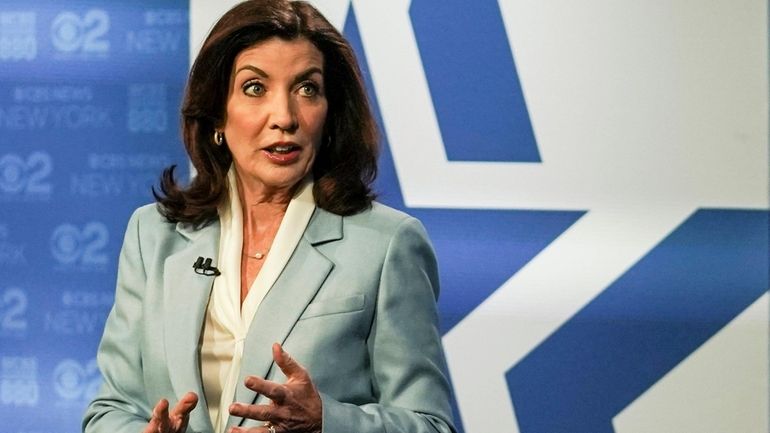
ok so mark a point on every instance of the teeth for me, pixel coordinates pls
(282, 149)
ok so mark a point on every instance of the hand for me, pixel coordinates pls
(295, 405)
(163, 421)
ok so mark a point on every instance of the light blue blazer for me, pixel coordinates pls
(355, 304)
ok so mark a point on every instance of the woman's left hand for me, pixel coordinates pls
(295, 405)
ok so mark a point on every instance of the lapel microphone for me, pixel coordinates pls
(202, 267)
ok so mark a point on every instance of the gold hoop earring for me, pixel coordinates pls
(219, 138)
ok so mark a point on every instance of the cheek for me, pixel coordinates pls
(242, 120)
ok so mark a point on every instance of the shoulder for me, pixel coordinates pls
(151, 237)
(385, 225)
(408, 254)
(148, 213)
(382, 217)
(147, 223)
(149, 217)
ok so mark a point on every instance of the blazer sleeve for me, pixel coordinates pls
(121, 406)
(408, 366)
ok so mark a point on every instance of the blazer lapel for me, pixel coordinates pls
(284, 303)
(185, 297)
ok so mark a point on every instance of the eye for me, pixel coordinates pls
(308, 89)
(253, 88)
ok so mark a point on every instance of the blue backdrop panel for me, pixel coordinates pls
(684, 291)
(473, 81)
(89, 101)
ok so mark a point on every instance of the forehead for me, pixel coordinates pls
(278, 55)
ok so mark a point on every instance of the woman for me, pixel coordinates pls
(276, 239)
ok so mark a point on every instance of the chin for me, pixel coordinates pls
(284, 182)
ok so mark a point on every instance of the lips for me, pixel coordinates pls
(282, 148)
(282, 152)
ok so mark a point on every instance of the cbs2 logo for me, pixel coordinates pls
(70, 32)
(29, 176)
(71, 244)
(13, 307)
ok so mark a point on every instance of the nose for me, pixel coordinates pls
(283, 113)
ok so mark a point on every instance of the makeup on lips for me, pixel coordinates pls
(284, 152)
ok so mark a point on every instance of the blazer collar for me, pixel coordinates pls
(323, 227)
(185, 297)
(286, 301)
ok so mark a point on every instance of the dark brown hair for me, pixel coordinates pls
(346, 163)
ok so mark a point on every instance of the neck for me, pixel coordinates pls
(263, 211)
(252, 192)
(262, 218)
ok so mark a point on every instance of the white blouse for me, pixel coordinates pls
(227, 322)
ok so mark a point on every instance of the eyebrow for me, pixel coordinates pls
(254, 69)
(308, 72)
(301, 76)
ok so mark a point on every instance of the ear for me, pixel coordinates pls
(219, 124)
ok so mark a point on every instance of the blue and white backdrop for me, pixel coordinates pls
(594, 176)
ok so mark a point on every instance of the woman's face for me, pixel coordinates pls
(276, 112)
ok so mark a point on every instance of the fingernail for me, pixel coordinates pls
(250, 381)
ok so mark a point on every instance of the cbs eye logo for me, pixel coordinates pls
(71, 33)
(26, 176)
(73, 245)
(73, 381)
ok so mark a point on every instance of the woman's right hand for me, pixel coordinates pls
(175, 421)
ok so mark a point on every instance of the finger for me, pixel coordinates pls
(185, 405)
(249, 430)
(272, 390)
(180, 414)
(152, 426)
(160, 415)
(258, 412)
(287, 364)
